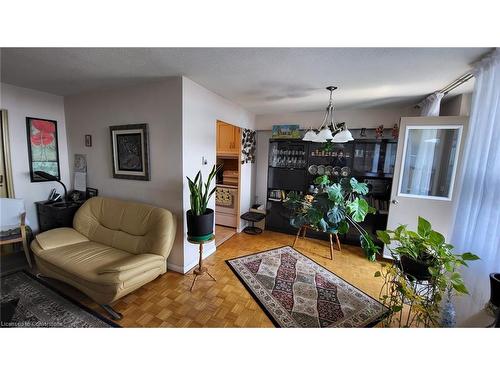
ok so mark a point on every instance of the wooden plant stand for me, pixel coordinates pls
(200, 270)
(305, 227)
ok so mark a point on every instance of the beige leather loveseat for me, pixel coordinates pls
(114, 248)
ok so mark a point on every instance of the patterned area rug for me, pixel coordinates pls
(29, 302)
(295, 291)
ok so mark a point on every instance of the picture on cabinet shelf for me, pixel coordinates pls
(286, 131)
(91, 192)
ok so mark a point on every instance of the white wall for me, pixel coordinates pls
(157, 104)
(21, 103)
(458, 105)
(201, 109)
(362, 118)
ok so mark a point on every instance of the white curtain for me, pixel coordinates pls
(423, 164)
(477, 220)
(431, 104)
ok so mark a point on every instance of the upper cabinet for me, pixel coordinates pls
(228, 139)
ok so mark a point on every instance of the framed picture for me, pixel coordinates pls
(130, 151)
(91, 192)
(88, 140)
(43, 150)
(286, 131)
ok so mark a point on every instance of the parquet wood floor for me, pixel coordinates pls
(222, 234)
(167, 302)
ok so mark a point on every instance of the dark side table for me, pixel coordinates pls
(56, 214)
(252, 217)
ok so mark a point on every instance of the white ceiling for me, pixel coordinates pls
(263, 80)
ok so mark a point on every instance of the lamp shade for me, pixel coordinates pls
(343, 137)
(310, 136)
(325, 135)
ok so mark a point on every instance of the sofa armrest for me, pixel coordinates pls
(129, 263)
(59, 237)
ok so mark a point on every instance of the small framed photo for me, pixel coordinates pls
(130, 151)
(88, 140)
(91, 192)
(286, 131)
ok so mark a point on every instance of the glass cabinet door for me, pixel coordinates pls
(366, 157)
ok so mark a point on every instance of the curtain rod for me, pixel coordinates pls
(458, 82)
(451, 86)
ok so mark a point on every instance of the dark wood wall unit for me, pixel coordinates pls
(370, 160)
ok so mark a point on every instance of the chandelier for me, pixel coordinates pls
(329, 131)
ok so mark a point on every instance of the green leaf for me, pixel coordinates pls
(384, 237)
(371, 250)
(335, 193)
(359, 187)
(314, 216)
(336, 214)
(456, 278)
(460, 288)
(436, 238)
(322, 180)
(469, 256)
(358, 209)
(424, 227)
(377, 274)
(322, 225)
(343, 227)
(397, 308)
(297, 221)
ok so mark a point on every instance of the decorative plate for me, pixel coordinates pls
(329, 170)
(321, 170)
(345, 171)
(313, 169)
(336, 171)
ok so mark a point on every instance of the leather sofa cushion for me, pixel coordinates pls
(59, 237)
(133, 227)
(99, 263)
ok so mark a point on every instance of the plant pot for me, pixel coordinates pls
(417, 269)
(200, 228)
(495, 289)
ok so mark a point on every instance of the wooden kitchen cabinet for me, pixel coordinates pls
(228, 138)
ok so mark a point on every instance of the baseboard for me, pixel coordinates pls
(207, 251)
(175, 268)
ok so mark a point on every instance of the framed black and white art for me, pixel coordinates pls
(130, 151)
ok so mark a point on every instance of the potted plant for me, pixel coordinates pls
(424, 271)
(200, 219)
(334, 209)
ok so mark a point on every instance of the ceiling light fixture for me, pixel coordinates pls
(329, 131)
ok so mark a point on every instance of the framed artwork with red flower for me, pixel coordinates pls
(43, 151)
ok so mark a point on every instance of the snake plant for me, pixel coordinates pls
(200, 192)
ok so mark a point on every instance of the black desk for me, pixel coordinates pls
(56, 214)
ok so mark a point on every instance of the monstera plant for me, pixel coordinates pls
(334, 209)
